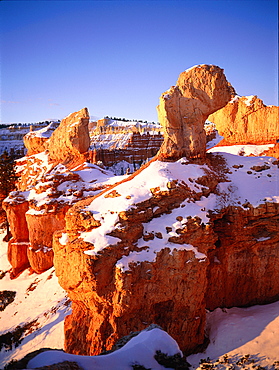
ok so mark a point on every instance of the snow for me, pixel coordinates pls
(235, 98)
(245, 150)
(248, 100)
(139, 350)
(195, 66)
(63, 239)
(106, 208)
(158, 225)
(90, 181)
(212, 143)
(146, 125)
(39, 298)
(241, 331)
(235, 191)
(265, 183)
(45, 132)
(110, 141)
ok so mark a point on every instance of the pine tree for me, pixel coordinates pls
(8, 179)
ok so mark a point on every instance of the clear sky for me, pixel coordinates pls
(118, 57)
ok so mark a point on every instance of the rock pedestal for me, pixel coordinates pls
(184, 108)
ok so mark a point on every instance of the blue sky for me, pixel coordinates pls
(117, 57)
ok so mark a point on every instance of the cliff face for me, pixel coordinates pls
(129, 147)
(131, 294)
(183, 109)
(193, 239)
(246, 120)
(241, 270)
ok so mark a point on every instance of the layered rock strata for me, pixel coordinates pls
(47, 187)
(195, 242)
(184, 108)
(113, 301)
(242, 266)
(247, 120)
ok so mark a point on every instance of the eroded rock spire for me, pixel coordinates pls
(183, 109)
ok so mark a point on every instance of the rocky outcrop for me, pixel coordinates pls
(183, 109)
(65, 144)
(18, 245)
(162, 245)
(246, 120)
(71, 139)
(194, 243)
(46, 189)
(118, 301)
(241, 270)
(37, 141)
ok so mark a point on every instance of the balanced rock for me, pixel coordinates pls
(246, 120)
(184, 108)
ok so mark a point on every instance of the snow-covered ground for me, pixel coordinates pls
(243, 150)
(39, 307)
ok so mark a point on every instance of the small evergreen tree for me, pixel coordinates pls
(8, 179)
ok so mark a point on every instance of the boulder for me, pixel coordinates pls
(247, 120)
(184, 108)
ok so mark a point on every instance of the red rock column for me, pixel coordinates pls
(17, 247)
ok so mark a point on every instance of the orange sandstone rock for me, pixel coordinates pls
(246, 120)
(37, 141)
(183, 109)
(18, 245)
(71, 139)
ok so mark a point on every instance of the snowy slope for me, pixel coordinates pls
(40, 305)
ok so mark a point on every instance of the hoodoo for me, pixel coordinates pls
(184, 108)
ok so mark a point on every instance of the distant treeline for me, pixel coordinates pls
(128, 120)
(6, 125)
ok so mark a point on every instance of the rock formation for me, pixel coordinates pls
(36, 141)
(18, 245)
(183, 109)
(134, 148)
(46, 189)
(65, 144)
(246, 120)
(163, 256)
(70, 141)
(160, 246)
